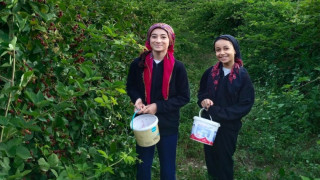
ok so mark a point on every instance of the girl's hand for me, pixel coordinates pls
(139, 106)
(206, 103)
(150, 109)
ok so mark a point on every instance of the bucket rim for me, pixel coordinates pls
(197, 118)
(155, 123)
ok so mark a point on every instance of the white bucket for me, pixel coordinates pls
(204, 130)
(145, 129)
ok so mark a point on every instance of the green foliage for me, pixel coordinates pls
(278, 48)
(280, 35)
(64, 110)
(278, 128)
(63, 65)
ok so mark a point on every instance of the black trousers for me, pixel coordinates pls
(218, 157)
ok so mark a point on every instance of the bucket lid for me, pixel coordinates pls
(207, 121)
(144, 122)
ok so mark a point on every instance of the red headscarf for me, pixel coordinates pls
(168, 62)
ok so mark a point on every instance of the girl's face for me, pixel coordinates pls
(225, 52)
(159, 40)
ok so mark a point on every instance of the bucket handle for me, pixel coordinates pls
(134, 114)
(200, 112)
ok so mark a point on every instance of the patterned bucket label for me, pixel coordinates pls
(203, 133)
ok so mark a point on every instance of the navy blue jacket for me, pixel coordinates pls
(232, 101)
(168, 111)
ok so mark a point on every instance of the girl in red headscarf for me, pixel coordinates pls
(157, 84)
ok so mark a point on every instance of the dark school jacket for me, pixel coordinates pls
(232, 101)
(168, 111)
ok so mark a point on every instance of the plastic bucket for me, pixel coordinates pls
(145, 129)
(204, 130)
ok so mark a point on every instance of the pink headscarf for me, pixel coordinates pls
(168, 62)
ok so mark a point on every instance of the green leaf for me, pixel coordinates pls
(120, 90)
(4, 37)
(23, 152)
(14, 41)
(31, 126)
(43, 103)
(114, 101)
(49, 16)
(109, 31)
(31, 95)
(12, 45)
(80, 83)
(4, 120)
(25, 78)
(17, 122)
(34, 113)
(304, 178)
(122, 175)
(19, 175)
(6, 64)
(82, 26)
(104, 154)
(87, 70)
(127, 159)
(5, 164)
(35, 98)
(4, 14)
(54, 172)
(99, 100)
(63, 175)
(41, 28)
(44, 166)
(104, 101)
(64, 106)
(21, 21)
(82, 167)
(42, 11)
(286, 86)
(62, 90)
(12, 147)
(96, 78)
(118, 84)
(89, 55)
(4, 53)
(105, 98)
(101, 168)
(53, 160)
(44, 8)
(109, 169)
(303, 79)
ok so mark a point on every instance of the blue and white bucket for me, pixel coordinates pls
(145, 129)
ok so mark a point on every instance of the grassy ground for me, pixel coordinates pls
(190, 159)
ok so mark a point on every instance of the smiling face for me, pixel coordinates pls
(225, 52)
(159, 41)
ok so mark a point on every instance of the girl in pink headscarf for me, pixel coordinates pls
(157, 84)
